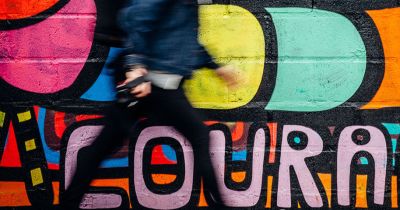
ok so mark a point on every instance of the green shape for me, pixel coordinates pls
(394, 146)
(392, 128)
(363, 161)
(321, 60)
(297, 140)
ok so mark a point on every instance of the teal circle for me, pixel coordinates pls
(297, 140)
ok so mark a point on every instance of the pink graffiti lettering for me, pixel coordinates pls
(347, 148)
(243, 198)
(295, 158)
(149, 199)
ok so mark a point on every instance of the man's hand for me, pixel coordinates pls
(230, 75)
(141, 90)
(134, 73)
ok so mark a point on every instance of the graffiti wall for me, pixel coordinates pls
(314, 122)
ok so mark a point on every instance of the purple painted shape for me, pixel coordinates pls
(234, 198)
(79, 138)
(100, 201)
(295, 158)
(48, 56)
(347, 148)
(149, 199)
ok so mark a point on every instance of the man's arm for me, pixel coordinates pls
(138, 21)
(228, 73)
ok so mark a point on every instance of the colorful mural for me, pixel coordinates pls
(313, 124)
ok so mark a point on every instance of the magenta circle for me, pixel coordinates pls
(48, 56)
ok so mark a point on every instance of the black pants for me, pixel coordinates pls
(167, 106)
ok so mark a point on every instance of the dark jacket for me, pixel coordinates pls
(163, 35)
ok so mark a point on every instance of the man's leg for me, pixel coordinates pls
(118, 121)
(173, 108)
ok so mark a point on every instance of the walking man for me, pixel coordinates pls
(162, 47)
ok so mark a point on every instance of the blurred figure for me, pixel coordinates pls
(162, 47)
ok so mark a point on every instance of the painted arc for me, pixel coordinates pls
(104, 87)
(394, 131)
(321, 60)
(48, 56)
(169, 152)
(387, 22)
(19, 9)
(223, 34)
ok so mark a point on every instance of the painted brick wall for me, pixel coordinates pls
(313, 123)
